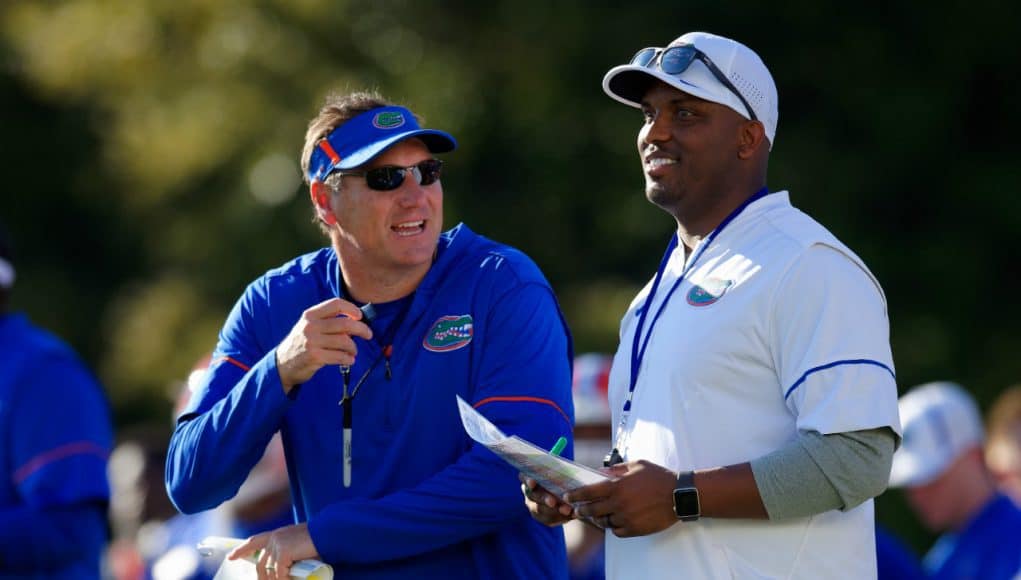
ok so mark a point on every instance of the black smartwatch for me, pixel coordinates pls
(686, 505)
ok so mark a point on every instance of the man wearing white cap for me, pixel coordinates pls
(942, 468)
(753, 391)
(355, 353)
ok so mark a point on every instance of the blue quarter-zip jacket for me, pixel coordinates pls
(55, 437)
(424, 501)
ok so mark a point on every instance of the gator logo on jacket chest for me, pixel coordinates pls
(708, 292)
(449, 333)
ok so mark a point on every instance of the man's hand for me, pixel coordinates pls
(545, 507)
(637, 503)
(281, 548)
(322, 336)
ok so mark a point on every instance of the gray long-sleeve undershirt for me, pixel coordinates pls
(817, 473)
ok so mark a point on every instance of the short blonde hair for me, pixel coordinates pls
(337, 110)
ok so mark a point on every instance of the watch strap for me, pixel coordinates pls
(685, 480)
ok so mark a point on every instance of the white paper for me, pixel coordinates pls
(218, 546)
(554, 473)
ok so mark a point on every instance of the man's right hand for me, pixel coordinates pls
(322, 336)
(545, 507)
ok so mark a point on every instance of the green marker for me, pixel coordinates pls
(558, 447)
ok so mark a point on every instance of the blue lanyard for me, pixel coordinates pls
(638, 353)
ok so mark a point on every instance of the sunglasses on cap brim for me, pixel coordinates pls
(390, 177)
(674, 60)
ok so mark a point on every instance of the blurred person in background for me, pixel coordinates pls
(586, 555)
(153, 539)
(941, 465)
(754, 384)
(1003, 446)
(385, 481)
(263, 503)
(139, 505)
(55, 437)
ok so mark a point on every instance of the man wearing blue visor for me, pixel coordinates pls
(355, 353)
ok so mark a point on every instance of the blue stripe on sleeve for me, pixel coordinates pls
(857, 361)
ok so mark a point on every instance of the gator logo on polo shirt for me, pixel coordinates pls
(708, 292)
(449, 333)
(388, 120)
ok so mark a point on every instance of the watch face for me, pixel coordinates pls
(686, 502)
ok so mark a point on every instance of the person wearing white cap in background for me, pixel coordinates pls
(942, 468)
(753, 391)
(1003, 447)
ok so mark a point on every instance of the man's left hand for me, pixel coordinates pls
(637, 503)
(544, 507)
(281, 548)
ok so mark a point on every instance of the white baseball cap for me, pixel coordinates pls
(738, 63)
(7, 274)
(941, 421)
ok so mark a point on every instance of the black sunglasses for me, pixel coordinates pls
(674, 60)
(390, 177)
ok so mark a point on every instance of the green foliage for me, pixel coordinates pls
(151, 152)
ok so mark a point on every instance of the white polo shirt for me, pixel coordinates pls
(778, 327)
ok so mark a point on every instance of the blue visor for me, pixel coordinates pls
(362, 138)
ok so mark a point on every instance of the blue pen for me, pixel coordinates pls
(559, 446)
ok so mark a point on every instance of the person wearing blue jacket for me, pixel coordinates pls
(941, 466)
(55, 437)
(355, 353)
